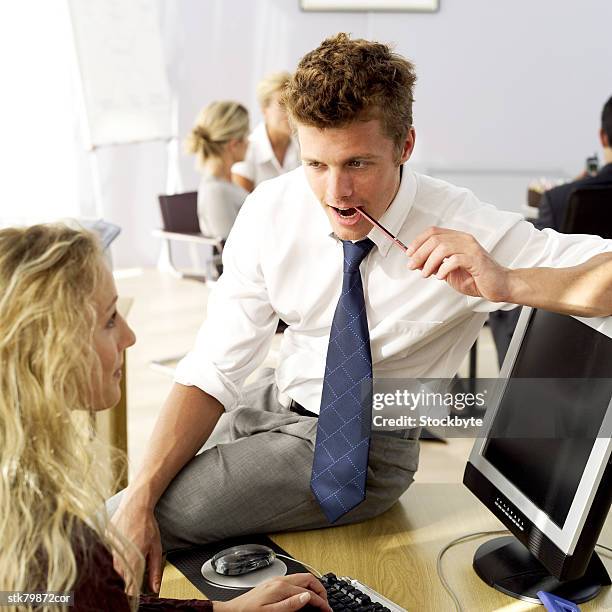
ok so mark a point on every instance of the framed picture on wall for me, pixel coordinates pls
(414, 6)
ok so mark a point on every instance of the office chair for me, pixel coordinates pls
(179, 214)
(589, 211)
(180, 220)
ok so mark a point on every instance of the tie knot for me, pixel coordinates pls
(355, 253)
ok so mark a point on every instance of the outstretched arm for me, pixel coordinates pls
(457, 258)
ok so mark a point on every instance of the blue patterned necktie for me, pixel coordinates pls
(340, 463)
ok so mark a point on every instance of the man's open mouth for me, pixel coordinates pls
(345, 212)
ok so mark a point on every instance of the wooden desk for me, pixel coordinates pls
(396, 553)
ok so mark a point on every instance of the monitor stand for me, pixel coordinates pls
(505, 564)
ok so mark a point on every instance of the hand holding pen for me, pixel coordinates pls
(454, 257)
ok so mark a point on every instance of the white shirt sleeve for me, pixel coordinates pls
(240, 323)
(523, 246)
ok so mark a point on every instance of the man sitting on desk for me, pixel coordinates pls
(554, 203)
(356, 306)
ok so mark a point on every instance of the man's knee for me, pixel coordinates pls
(185, 521)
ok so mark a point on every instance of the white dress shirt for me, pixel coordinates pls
(282, 260)
(260, 163)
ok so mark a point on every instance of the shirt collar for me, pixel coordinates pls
(607, 169)
(259, 137)
(394, 217)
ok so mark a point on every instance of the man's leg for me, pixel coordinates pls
(261, 484)
(260, 481)
(223, 431)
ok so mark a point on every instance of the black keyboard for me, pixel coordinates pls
(348, 595)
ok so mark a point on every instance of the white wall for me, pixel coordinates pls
(513, 87)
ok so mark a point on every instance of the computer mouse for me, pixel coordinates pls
(242, 559)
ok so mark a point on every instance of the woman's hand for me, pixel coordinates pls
(279, 595)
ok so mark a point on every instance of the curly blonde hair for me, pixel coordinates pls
(51, 496)
(345, 80)
(217, 124)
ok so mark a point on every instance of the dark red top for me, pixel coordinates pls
(101, 588)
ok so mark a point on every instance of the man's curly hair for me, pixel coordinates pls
(346, 80)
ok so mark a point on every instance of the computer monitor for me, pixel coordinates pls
(544, 464)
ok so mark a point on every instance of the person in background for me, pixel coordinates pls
(552, 208)
(61, 349)
(554, 202)
(272, 150)
(218, 140)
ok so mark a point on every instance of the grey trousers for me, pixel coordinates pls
(256, 479)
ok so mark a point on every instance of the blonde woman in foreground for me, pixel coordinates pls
(61, 350)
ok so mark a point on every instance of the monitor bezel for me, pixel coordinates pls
(566, 537)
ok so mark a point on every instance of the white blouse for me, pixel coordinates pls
(260, 163)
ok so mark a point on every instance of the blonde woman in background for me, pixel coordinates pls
(218, 140)
(272, 150)
(61, 348)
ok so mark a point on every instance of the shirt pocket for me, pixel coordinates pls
(402, 337)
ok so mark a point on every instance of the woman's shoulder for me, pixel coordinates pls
(213, 189)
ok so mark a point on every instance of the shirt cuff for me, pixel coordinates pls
(478, 304)
(192, 371)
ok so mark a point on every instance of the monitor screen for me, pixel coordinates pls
(544, 429)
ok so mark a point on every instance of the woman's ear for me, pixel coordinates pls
(236, 148)
(231, 145)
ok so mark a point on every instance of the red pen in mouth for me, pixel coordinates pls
(396, 241)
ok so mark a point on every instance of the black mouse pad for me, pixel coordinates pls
(189, 562)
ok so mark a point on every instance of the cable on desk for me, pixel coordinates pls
(226, 586)
(464, 538)
(316, 572)
(459, 540)
(606, 548)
